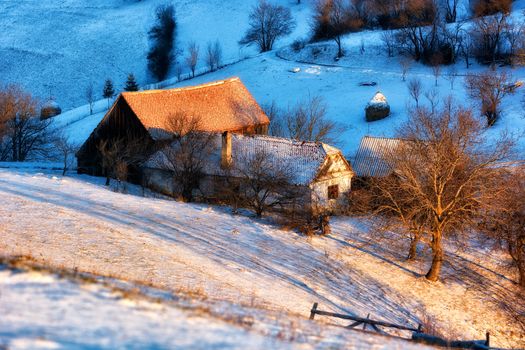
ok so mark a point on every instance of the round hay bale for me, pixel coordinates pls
(378, 108)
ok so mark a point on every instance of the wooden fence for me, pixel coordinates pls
(418, 334)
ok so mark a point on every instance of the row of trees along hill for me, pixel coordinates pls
(419, 28)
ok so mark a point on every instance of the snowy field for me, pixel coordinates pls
(62, 68)
(57, 47)
(76, 223)
(269, 78)
(41, 311)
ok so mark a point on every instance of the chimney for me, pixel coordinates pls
(226, 151)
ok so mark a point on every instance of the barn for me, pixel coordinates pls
(224, 105)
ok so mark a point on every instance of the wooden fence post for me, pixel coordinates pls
(313, 311)
(365, 323)
(487, 337)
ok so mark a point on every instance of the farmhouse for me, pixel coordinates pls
(145, 115)
(320, 172)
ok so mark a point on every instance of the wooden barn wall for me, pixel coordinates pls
(120, 123)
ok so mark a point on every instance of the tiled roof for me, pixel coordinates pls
(224, 105)
(373, 156)
(304, 159)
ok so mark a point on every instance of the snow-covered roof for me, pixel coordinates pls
(51, 104)
(303, 159)
(373, 156)
(378, 100)
(224, 105)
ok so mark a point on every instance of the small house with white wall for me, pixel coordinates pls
(319, 170)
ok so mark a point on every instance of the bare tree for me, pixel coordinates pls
(332, 18)
(419, 35)
(193, 57)
(487, 35)
(111, 153)
(507, 223)
(265, 183)
(275, 114)
(214, 55)
(307, 121)
(444, 169)
(22, 132)
(436, 70)
(451, 76)
(432, 97)
(451, 37)
(178, 71)
(405, 63)
(119, 154)
(268, 23)
(488, 89)
(451, 10)
(414, 88)
(465, 47)
(393, 209)
(90, 96)
(66, 149)
(389, 41)
(514, 34)
(187, 153)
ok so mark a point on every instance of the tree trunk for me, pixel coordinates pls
(339, 50)
(412, 252)
(187, 195)
(14, 140)
(65, 166)
(521, 264)
(437, 260)
(521, 272)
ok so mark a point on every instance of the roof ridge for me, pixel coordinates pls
(322, 146)
(281, 139)
(185, 88)
(383, 137)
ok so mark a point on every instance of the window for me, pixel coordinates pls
(333, 192)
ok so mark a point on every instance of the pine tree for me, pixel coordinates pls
(108, 91)
(131, 83)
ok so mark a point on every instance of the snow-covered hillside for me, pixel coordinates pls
(68, 52)
(269, 78)
(273, 77)
(75, 222)
(57, 47)
(41, 311)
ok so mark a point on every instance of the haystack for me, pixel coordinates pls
(378, 108)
